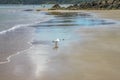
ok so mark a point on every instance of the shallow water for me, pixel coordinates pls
(15, 30)
(63, 26)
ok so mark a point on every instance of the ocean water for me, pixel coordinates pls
(20, 29)
(11, 15)
(15, 30)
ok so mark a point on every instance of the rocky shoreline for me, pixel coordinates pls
(100, 5)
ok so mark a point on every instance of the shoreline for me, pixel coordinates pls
(91, 60)
(98, 13)
(14, 29)
(7, 58)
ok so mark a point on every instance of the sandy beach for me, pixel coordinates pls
(95, 57)
(101, 52)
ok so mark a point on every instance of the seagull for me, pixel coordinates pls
(56, 42)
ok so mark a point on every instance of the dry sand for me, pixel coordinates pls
(96, 58)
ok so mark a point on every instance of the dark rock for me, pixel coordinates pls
(73, 7)
(56, 6)
(97, 4)
(38, 9)
(94, 3)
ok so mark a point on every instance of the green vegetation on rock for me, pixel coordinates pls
(99, 4)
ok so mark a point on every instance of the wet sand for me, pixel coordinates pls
(108, 14)
(96, 57)
(99, 55)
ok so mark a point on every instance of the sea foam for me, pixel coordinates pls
(43, 19)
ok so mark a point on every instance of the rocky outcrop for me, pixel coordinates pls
(73, 7)
(98, 4)
(56, 6)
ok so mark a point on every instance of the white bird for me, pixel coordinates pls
(57, 40)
